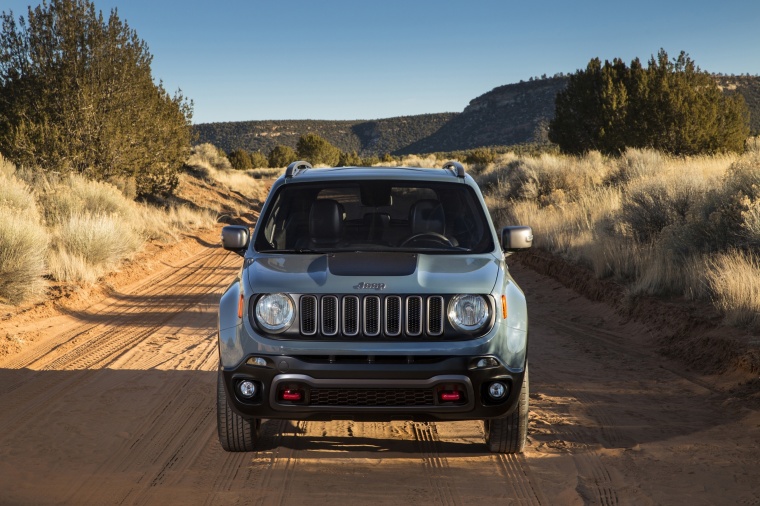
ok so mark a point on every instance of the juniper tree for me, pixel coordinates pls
(77, 95)
(317, 150)
(281, 156)
(240, 159)
(670, 105)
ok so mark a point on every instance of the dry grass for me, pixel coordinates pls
(75, 194)
(648, 220)
(86, 228)
(734, 279)
(413, 161)
(16, 197)
(23, 240)
(206, 161)
(208, 155)
(87, 246)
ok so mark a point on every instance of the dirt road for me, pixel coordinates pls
(114, 404)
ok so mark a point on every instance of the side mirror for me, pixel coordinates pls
(235, 238)
(516, 238)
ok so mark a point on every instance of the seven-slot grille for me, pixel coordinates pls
(372, 315)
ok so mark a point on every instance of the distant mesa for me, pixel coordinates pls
(507, 115)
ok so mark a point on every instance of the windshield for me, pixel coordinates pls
(374, 216)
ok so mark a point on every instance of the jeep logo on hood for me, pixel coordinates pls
(370, 286)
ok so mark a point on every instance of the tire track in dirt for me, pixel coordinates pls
(594, 482)
(116, 338)
(270, 469)
(515, 470)
(180, 281)
(599, 428)
(164, 442)
(179, 422)
(436, 466)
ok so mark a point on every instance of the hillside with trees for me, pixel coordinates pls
(507, 115)
(374, 137)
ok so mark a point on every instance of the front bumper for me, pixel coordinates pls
(372, 388)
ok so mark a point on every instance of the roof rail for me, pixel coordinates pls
(455, 167)
(296, 167)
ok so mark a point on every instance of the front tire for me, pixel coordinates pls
(236, 434)
(508, 435)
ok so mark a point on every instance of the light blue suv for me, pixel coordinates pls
(374, 293)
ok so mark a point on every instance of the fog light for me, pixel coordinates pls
(497, 390)
(247, 388)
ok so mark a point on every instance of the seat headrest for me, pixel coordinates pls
(377, 219)
(326, 222)
(427, 216)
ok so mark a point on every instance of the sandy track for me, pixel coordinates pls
(115, 405)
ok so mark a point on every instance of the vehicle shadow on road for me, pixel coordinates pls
(287, 434)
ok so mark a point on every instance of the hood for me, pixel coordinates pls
(391, 273)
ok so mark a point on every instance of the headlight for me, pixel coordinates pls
(274, 312)
(468, 312)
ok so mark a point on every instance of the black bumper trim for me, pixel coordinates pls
(378, 384)
(374, 375)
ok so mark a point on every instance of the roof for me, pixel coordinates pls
(391, 173)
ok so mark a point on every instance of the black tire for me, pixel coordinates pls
(236, 434)
(508, 435)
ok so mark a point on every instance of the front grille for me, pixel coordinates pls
(400, 397)
(308, 315)
(372, 315)
(330, 315)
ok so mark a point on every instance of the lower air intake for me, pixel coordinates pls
(399, 397)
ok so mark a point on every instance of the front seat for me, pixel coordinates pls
(426, 216)
(325, 224)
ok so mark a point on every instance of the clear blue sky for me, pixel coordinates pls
(354, 59)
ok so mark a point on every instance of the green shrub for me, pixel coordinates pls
(258, 160)
(349, 159)
(480, 156)
(317, 151)
(240, 160)
(281, 156)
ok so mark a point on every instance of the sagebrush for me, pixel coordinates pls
(661, 225)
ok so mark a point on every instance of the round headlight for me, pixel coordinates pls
(468, 312)
(274, 311)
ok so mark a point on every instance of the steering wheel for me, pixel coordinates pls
(428, 236)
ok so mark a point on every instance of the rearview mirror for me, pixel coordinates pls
(516, 238)
(235, 238)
